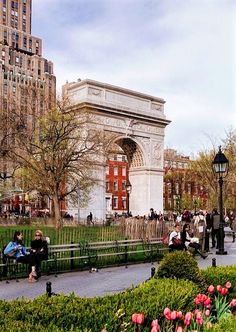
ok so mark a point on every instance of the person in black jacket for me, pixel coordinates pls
(39, 249)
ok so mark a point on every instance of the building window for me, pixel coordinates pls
(115, 170)
(107, 170)
(115, 157)
(107, 186)
(123, 171)
(123, 185)
(115, 202)
(123, 158)
(115, 186)
(124, 206)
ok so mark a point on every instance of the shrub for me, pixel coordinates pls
(181, 265)
(220, 275)
(227, 324)
(72, 313)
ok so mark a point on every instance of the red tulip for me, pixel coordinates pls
(224, 291)
(219, 288)
(228, 284)
(211, 289)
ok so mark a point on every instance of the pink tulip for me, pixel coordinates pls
(228, 284)
(154, 323)
(211, 289)
(200, 321)
(188, 315)
(198, 314)
(233, 303)
(173, 315)
(167, 313)
(155, 328)
(179, 314)
(134, 318)
(179, 329)
(140, 319)
(219, 288)
(187, 322)
(103, 330)
(207, 313)
(207, 302)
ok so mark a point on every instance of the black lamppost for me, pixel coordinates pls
(195, 206)
(128, 189)
(177, 204)
(220, 166)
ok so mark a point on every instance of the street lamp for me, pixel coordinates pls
(128, 189)
(195, 206)
(220, 166)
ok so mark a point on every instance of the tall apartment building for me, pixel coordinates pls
(27, 82)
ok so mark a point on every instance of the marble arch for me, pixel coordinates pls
(138, 122)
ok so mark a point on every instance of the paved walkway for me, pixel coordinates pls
(105, 281)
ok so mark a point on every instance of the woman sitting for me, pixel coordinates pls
(190, 241)
(39, 249)
(175, 242)
(15, 249)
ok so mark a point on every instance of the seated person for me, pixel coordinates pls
(190, 241)
(39, 249)
(175, 242)
(15, 249)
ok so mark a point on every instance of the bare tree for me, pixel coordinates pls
(60, 155)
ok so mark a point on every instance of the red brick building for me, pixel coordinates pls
(116, 181)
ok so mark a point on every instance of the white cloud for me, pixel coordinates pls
(182, 51)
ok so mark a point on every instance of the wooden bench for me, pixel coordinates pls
(67, 257)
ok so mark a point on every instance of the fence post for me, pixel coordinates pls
(49, 288)
(126, 255)
(213, 262)
(71, 257)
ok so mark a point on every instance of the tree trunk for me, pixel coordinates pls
(57, 212)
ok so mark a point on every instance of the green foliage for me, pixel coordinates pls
(220, 275)
(181, 265)
(227, 324)
(72, 313)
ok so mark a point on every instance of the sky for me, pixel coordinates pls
(183, 51)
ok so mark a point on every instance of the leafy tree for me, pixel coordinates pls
(201, 169)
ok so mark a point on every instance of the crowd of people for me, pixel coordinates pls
(193, 232)
(16, 249)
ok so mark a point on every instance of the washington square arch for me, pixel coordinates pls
(138, 122)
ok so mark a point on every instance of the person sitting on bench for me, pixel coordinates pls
(39, 249)
(15, 249)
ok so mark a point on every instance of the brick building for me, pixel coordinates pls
(116, 182)
(180, 187)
